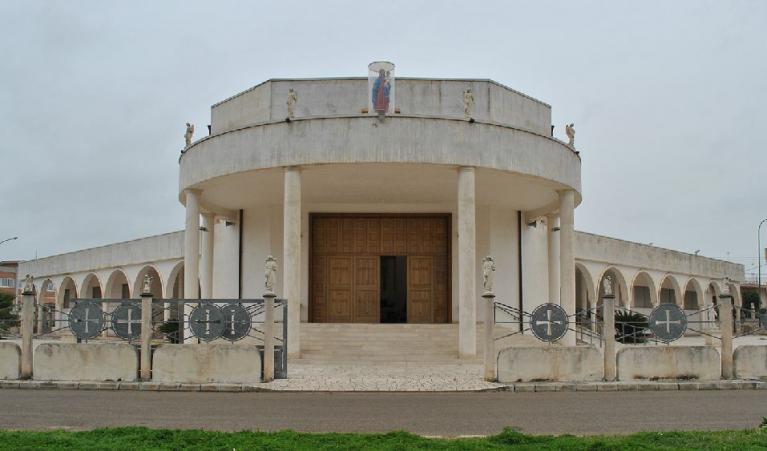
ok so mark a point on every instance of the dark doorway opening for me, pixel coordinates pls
(393, 289)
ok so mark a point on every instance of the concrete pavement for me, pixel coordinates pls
(437, 414)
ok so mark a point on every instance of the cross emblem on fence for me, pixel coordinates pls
(126, 321)
(130, 321)
(206, 322)
(668, 322)
(86, 320)
(548, 322)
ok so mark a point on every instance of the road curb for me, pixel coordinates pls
(537, 387)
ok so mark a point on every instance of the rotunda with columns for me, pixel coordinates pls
(379, 216)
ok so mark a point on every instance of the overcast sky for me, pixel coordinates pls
(668, 99)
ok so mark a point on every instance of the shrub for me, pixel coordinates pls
(630, 327)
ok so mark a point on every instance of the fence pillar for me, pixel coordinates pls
(725, 324)
(146, 332)
(490, 359)
(608, 333)
(269, 336)
(27, 326)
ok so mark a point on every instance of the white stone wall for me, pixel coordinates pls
(493, 102)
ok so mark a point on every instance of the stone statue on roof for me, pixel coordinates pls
(292, 100)
(570, 130)
(468, 103)
(188, 134)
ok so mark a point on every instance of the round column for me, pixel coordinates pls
(567, 256)
(191, 251)
(467, 270)
(292, 256)
(206, 260)
(552, 224)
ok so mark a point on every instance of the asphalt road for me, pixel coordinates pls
(433, 414)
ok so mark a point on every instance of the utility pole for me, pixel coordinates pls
(759, 263)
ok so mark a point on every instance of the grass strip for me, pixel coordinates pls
(140, 438)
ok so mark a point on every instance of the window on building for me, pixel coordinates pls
(6, 282)
(125, 291)
(642, 297)
(690, 300)
(667, 296)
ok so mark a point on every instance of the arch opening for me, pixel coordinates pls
(643, 291)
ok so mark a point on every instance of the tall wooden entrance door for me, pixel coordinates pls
(345, 265)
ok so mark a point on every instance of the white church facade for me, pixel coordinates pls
(379, 209)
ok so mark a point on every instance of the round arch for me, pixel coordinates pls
(117, 286)
(91, 287)
(735, 292)
(670, 291)
(66, 292)
(585, 293)
(640, 286)
(46, 292)
(693, 285)
(621, 287)
(174, 286)
(157, 282)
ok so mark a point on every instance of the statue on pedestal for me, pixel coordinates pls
(607, 285)
(488, 270)
(292, 100)
(570, 130)
(147, 287)
(270, 273)
(29, 284)
(188, 134)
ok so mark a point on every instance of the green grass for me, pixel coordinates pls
(136, 438)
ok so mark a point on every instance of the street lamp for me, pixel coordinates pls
(16, 238)
(759, 262)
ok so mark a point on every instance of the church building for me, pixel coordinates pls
(379, 197)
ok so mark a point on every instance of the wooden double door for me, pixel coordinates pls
(346, 257)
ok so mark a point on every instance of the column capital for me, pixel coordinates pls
(466, 169)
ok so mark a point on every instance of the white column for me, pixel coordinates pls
(467, 264)
(567, 257)
(552, 222)
(206, 260)
(292, 256)
(191, 251)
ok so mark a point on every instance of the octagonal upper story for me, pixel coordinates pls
(323, 97)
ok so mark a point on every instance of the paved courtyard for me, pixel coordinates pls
(434, 414)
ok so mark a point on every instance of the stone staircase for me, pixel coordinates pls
(381, 343)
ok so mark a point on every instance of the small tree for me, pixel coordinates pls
(8, 319)
(630, 327)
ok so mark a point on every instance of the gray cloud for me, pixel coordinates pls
(668, 100)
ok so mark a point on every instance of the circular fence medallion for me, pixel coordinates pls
(86, 320)
(206, 322)
(549, 322)
(236, 322)
(668, 322)
(126, 321)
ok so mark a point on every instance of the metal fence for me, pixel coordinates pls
(172, 321)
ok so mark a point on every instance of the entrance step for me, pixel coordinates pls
(381, 344)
